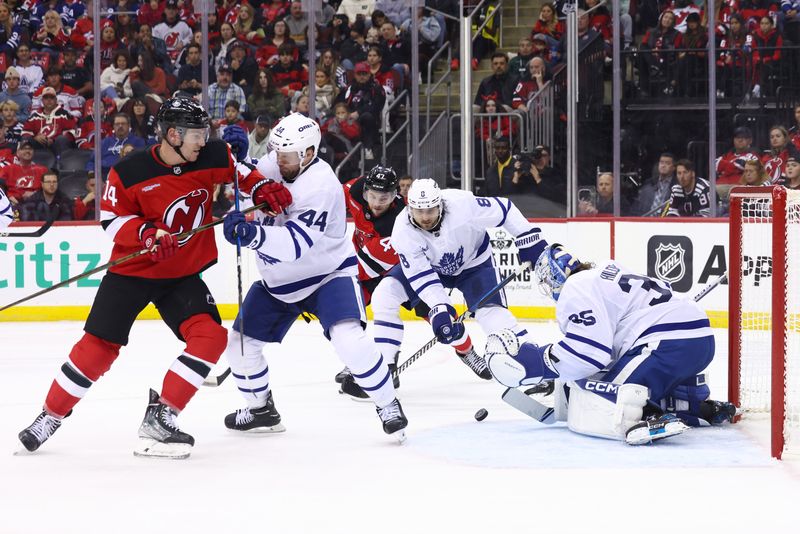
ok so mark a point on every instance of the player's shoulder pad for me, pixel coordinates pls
(140, 166)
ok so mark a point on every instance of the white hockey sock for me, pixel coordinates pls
(360, 354)
(251, 372)
(386, 301)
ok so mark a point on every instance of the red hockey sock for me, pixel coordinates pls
(464, 347)
(205, 342)
(89, 359)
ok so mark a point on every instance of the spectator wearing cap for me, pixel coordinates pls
(244, 67)
(792, 173)
(75, 76)
(52, 127)
(68, 98)
(172, 30)
(224, 90)
(730, 165)
(365, 99)
(289, 75)
(31, 74)
(47, 204)
(51, 36)
(297, 23)
(190, 75)
(10, 127)
(259, 137)
(23, 177)
(15, 94)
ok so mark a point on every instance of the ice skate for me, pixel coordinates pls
(264, 420)
(341, 374)
(476, 363)
(351, 388)
(394, 420)
(717, 412)
(39, 431)
(159, 434)
(655, 428)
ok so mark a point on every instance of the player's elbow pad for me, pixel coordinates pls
(514, 364)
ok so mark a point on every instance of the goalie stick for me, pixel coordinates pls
(545, 414)
(214, 381)
(123, 259)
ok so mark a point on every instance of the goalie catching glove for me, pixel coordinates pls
(514, 364)
(155, 237)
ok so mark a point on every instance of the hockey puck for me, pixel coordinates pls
(481, 414)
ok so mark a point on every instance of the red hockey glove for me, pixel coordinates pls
(273, 193)
(156, 238)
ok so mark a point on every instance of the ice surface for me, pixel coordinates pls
(335, 471)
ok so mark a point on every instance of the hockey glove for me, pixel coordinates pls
(273, 193)
(236, 137)
(441, 318)
(530, 246)
(235, 227)
(156, 238)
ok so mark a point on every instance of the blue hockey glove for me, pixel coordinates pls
(236, 137)
(235, 226)
(441, 318)
(530, 246)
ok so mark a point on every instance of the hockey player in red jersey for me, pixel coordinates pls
(148, 199)
(374, 202)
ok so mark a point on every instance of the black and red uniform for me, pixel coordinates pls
(372, 236)
(142, 190)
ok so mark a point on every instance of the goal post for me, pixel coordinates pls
(764, 307)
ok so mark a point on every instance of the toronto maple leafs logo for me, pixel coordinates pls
(450, 263)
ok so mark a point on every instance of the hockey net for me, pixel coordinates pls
(764, 310)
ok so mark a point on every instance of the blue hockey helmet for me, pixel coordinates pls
(553, 268)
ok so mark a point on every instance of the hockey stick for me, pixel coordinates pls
(470, 311)
(545, 414)
(36, 233)
(123, 259)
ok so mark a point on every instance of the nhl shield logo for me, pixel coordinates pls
(177, 169)
(670, 262)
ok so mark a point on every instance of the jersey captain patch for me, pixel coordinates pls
(186, 213)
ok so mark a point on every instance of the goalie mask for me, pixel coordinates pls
(553, 268)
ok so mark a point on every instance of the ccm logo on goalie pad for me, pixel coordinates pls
(601, 387)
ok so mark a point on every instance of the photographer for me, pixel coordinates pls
(499, 177)
(533, 174)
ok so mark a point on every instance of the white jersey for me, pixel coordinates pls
(606, 311)
(307, 244)
(460, 243)
(6, 213)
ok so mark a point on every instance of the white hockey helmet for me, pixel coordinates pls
(295, 133)
(424, 194)
(553, 268)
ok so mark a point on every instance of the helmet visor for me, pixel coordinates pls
(287, 159)
(195, 135)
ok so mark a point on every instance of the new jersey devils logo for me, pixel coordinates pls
(186, 213)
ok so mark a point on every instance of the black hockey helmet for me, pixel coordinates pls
(182, 112)
(382, 179)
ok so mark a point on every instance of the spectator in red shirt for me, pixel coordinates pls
(548, 25)
(51, 36)
(52, 127)
(24, 177)
(767, 43)
(289, 75)
(83, 210)
(781, 148)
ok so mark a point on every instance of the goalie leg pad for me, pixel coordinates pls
(603, 409)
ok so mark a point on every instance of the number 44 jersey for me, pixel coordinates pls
(606, 311)
(307, 244)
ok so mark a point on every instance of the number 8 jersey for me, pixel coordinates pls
(307, 244)
(606, 311)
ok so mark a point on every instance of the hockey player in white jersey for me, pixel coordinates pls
(307, 264)
(442, 242)
(6, 213)
(630, 355)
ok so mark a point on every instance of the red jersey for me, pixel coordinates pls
(372, 235)
(142, 188)
(730, 166)
(22, 179)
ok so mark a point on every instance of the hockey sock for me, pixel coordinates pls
(205, 341)
(368, 367)
(250, 370)
(463, 345)
(89, 359)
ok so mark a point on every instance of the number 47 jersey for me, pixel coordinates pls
(606, 311)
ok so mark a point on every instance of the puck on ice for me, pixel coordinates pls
(481, 414)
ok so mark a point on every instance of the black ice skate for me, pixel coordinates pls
(159, 434)
(655, 428)
(394, 420)
(717, 412)
(256, 420)
(39, 431)
(476, 363)
(341, 374)
(351, 388)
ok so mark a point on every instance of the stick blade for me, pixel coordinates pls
(530, 407)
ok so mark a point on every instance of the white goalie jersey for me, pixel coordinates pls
(606, 311)
(307, 244)
(460, 243)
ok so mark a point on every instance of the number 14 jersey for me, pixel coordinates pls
(606, 311)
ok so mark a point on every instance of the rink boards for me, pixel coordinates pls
(687, 253)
